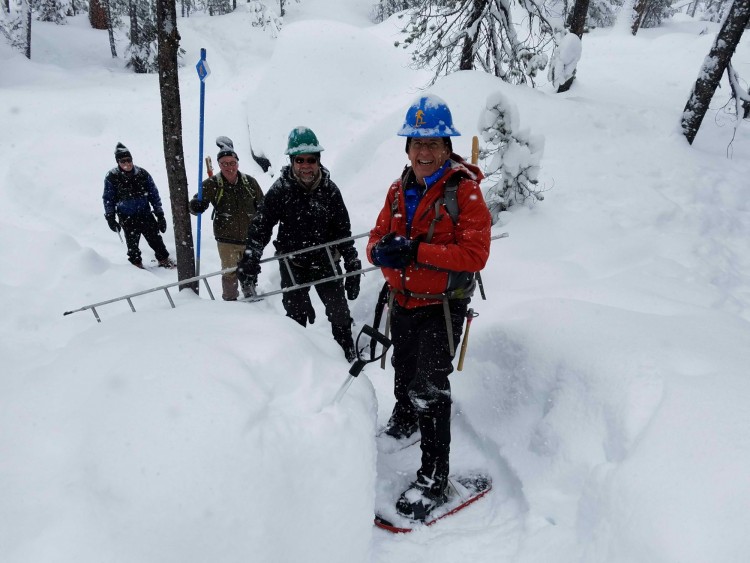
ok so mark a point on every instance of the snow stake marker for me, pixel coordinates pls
(203, 72)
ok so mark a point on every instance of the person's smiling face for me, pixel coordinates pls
(427, 155)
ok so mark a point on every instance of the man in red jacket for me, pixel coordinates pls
(428, 252)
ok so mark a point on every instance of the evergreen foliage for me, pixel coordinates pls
(219, 7)
(142, 51)
(511, 157)
(657, 11)
(384, 9)
(480, 34)
(13, 25)
(53, 11)
(603, 13)
(264, 18)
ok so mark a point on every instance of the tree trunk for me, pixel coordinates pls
(110, 31)
(28, 31)
(576, 24)
(6, 6)
(174, 156)
(639, 12)
(691, 8)
(97, 15)
(713, 68)
(467, 52)
(577, 19)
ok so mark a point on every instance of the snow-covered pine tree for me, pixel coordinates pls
(142, 51)
(52, 11)
(384, 9)
(219, 7)
(650, 13)
(75, 7)
(480, 34)
(603, 13)
(511, 156)
(715, 9)
(264, 18)
(13, 24)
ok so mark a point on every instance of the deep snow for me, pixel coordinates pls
(606, 382)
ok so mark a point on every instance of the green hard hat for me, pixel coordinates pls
(302, 140)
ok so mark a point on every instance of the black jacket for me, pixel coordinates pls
(305, 219)
(130, 193)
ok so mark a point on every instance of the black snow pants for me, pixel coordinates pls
(298, 306)
(144, 224)
(422, 363)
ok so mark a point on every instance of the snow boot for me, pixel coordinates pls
(167, 263)
(402, 424)
(138, 264)
(420, 499)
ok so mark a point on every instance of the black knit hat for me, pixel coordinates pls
(121, 151)
(226, 148)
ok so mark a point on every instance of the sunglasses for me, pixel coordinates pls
(229, 164)
(126, 160)
(303, 160)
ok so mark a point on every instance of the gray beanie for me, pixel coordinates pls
(226, 148)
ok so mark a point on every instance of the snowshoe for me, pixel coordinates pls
(419, 500)
(461, 492)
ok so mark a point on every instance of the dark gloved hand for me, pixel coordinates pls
(112, 222)
(248, 269)
(394, 251)
(161, 221)
(351, 284)
(197, 206)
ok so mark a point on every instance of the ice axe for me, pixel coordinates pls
(470, 315)
(360, 363)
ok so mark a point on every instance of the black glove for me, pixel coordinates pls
(161, 221)
(395, 251)
(197, 206)
(351, 284)
(248, 269)
(112, 222)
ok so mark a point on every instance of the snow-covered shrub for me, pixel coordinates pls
(511, 156)
(263, 17)
(565, 58)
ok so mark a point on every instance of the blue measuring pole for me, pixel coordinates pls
(203, 72)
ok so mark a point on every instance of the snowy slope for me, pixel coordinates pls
(605, 385)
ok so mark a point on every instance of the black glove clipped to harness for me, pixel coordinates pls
(112, 222)
(395, 251)
(248, 269)
(197, 206)
(161, 221)
(351, 284)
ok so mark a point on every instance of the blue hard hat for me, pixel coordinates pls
(428, 116)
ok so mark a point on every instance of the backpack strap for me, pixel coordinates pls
(220, 183)
(451, 196)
